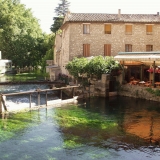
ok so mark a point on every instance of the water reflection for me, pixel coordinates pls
(134, 116)
(114, 129)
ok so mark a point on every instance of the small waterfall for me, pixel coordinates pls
(22, 101)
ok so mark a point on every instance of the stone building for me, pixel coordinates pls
(92, 34)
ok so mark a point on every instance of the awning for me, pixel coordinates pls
(138, 56)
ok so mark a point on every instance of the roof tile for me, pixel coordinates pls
(102, 17)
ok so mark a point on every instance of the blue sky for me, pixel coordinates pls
(44, 9)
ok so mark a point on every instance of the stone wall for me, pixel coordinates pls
(98, 88)
(117, 38)
(137, 91)
(73, 40)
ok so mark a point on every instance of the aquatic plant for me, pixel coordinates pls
(75, 116)
(79, 125)
(14, 123)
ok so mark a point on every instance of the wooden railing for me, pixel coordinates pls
(38, 91)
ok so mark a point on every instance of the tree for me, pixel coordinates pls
(49, 41)
(62, 8)
(58, 21)
(21, 38)
(60, 11)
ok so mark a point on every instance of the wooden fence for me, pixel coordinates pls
(38, 91)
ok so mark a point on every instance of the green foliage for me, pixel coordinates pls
(154, 92)
(62, 8)
(60, 11)
(49, 41)
(58, 21)
(96, 66)
(77, 66)
(150, 90)
(157, 92)
(21, 38)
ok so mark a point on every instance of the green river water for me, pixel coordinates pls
(118, 128)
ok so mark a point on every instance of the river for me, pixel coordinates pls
(118, 128)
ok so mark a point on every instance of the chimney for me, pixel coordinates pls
(119, 13)
(157, 13)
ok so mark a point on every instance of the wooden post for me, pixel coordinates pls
(46, 98)
(73, 92)
(30, 100)
(0, 104)
(153, 80)
(141, 74)
(3, 102)
(123, 77)
(38, 98)
(61, 94)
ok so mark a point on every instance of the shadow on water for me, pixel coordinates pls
(114, 129)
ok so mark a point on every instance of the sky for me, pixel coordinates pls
(43, 10)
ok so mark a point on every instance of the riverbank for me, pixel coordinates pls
(137, 91)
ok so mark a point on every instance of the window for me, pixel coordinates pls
(128, 48)
(107, 50)
(128, 29)
(149, 29)
(107, 28)
(149, 48)
(86, 28)
(86, 50)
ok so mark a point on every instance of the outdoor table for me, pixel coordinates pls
(141, 83)
(147, 84)
(135, 82)
(157, 84)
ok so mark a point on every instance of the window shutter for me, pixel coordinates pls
(128, 29)
(86, 50)
(107, 50)
(149, 29)
(107, 28)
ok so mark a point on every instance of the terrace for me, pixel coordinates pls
(140, 68)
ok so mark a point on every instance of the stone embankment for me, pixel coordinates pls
(137, 91)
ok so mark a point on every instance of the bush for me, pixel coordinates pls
(96, 66)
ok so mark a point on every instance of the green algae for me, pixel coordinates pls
(80, 126)
(11, 124)
(75, 116)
